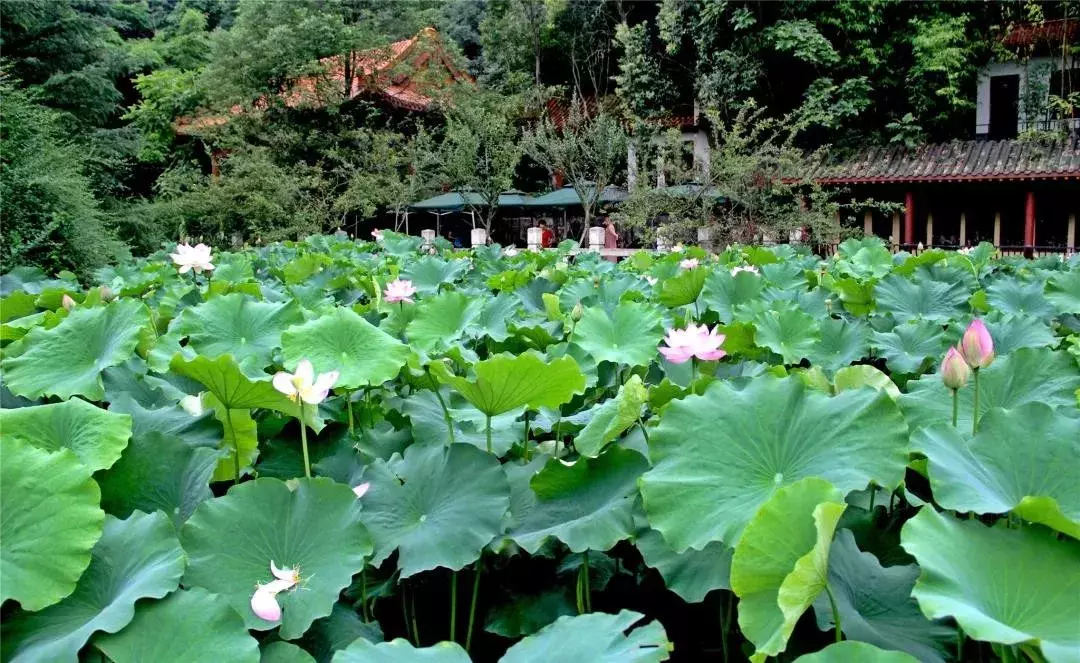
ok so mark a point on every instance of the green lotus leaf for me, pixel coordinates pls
(188, 626)
(527, 614)
(1062, 291)
(612, 418)
(284, 652)
(68, 359)
(781, 563)
(587, 505)
(17, 305)
(196, 431)
(1000, 585)
(691, 574)
(875, 604)
(399, 650)
(850, 651)
(441, 321)
(506, 382)
(627, 335)
(789, 333)
(863, 258)
(158, 472)
(863, 375)
(1012, 332)
(344, 341)
(429, 421)
(239, 441)
(237, 325)
(683, 288)
(223, 378)
(1025, 460)
(856, 296)
(429, 273)
(922, 299)
(723, 293)
(787, 275)
(719, 456)
(96, 436)
(51, 520)
(437, 505)
(338, 631)
(313, 526)
(910, 346)
(1025, 376)
(842, 342)
(594, 638)
(497, 311)
(1013, 296)
(135, 559)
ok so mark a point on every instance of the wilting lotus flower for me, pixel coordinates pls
(264, 601)
(303, 386)
(954, 370)
(510, 251)
(977, 346)
(192, 405)
(689, 263)
(744, 268)
(694, 341)
(399, 291)
(67, 302)
(189, 258)
(361, 489)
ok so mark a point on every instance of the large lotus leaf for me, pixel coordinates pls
(850, 651)
(691, 574)
(594, 638)
(875, 604)
(338, 631)
(428, 421)
(628, 335)
(158, 472)
(51, 520)
(96, 436)
(842, 342)
(188, 626)
(400, 650)
(864, 375)
(612, 418)
(1012, 296)
(506, 382)
(68, 359)
(1008, 586)
(196, 430)
(438, 506)
(441, 321)
(789, 333)
(924, 299)
(313, 526)
(1025, 376)
(683, 288)
(856, 296)
(284, 652)
(785, 275)
(526, 614)
(1012, 332)
(344, 341)
(587, 505)
(910, 344)
(429, 273)
(223, 378)
(239, 441)
(1025, 460)
(723, 292)
(237, 325)
(781, 563)
(719, 456)
(1063, 291)
(135, 559)
(495, 314)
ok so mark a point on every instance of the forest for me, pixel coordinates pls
(105, 155)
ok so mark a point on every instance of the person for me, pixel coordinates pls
(547, 237)
(611, 238)
(454, 239)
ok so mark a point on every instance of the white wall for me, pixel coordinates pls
(1036, 66)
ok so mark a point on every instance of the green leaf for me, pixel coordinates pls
(399, 650)
(781, 562)
(863, 375)
(438, 506)
(1062, 291)
(429, 273)
(856, 296)
(343, 341)
(429, 422)
(440, 321)
(683, 288)
(925, 299)
(708, 479)
(1025, 376)
(1012, 296)
(587, 505)
(313, 526)
(723, 293)
(875, 604)
(284, 652)
(51, 520)
(505, 382)
(1025, 460)
(188, 626)
(527, 614)
(224, 379)
(338, 631)
(908, 346)
(96, 436)
(594, 638)
(1012, 332)
(612, 418)
(850, 651)
(842, 342)
(1008, 586)
(628, 335)
(691, 574)
(135, 559)
(239, 442)
(68, 359)
(789, 333)
(237, 325)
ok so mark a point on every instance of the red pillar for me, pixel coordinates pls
(1029, 219)
(909, 218)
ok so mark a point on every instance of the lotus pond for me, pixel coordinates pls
(362, 452)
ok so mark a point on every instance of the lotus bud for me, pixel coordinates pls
(107, 295)
(578, 311)
(954, 369)
(977, 346)
(67, 302)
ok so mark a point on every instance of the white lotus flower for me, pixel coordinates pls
(361, 489)
(192, 405)
(189, 258)
(303, 386)
(744, 268)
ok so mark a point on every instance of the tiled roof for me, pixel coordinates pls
(1047, 31)
(558, 110)
(969, 160)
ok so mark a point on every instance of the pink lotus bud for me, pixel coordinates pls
(361, 489)
(67, 302)
(264, 604)
(977, 346)
(954, 369)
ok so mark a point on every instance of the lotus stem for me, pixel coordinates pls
(236, 446)
(955, 407)
(453, 606)
(363, 595)
(725, 623)
(348, 410)
(412, 611)
(303, 442)
(526, 441)
(487, 430)
(472, 602)
(578, 599)
(835, 613)
(975, 409)
(585, 583)
(959, 642)
(405, 614)
(446, 412)
(873, 494)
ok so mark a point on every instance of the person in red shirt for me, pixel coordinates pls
(547, 238)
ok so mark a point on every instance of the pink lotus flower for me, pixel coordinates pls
(264, 601)
(377, 234)
(303, 386)
(361, 489)
(694, 341)
(67, 302)
(689, 263)
(189, 258)
(977, 346)
(399, 291)
(744, 268)
(954, 369)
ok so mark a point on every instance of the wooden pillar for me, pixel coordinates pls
(909, 218)
(895, 239)
(997, 229)
(1070, 233)
(963, 228)
(868, 223)
(1029, 219)
(929, 230)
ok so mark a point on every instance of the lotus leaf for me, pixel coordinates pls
(96, 436)
(594, 638)
(342, 341)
